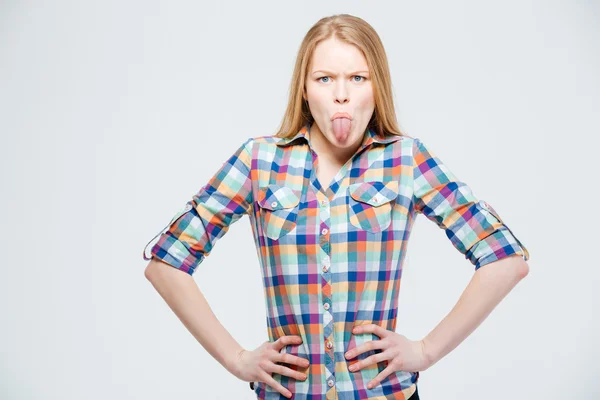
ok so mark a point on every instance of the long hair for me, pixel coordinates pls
(355, 31)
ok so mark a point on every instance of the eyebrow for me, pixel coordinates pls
(329, 72)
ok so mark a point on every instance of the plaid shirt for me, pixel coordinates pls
(331, 257)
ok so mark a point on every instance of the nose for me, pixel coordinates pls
(342, 100)
(341, 94)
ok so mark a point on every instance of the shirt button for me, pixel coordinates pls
(326, 306)
(324, 231)
(329, 344)
(330, 383)
(325, 268)
(274, 203)
(323, 202)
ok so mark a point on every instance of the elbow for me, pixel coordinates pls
(147, 273)
(158, 270)
(523, 269)
(150, 270)
(518, 266)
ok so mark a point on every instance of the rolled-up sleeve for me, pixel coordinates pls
(194, 230)
(472, 225)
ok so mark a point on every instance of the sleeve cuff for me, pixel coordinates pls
(174, 253)
(495, 247)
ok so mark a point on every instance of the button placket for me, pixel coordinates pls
(326, 263)
(328, 323)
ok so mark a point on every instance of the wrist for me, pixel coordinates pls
(428, 352)
(233, 361)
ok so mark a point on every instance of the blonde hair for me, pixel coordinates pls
(355, 31)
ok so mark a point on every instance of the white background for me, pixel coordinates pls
(113, 114)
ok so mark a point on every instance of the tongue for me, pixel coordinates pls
(341, 128)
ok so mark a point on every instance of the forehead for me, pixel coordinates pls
(333, 54)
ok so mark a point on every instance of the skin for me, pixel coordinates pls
(338, 80)
(333, 85)
(489, 285)
(183, 296)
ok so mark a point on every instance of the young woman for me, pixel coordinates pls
(332, 198)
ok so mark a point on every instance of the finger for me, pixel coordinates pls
(370, 345)
(371, 328)
(286, 340)
(282, 370)
(268, 379)
(373, 359)
(381, 376)
(292, 359)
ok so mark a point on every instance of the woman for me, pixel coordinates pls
(332, 198)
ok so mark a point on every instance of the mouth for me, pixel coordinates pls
(341, 115)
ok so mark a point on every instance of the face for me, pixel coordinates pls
(338, 81)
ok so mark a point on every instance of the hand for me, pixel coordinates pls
(257, 365)
(400, 353)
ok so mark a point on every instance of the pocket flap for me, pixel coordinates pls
(374, 193)
(276, 197)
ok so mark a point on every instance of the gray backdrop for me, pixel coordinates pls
(113, 114)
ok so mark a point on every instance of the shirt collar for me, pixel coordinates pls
(370, 137)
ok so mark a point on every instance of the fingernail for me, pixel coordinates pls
(349, 354)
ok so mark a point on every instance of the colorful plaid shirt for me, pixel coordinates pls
(331, 257)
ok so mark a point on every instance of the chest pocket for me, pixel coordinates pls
(370, 204)
(278, 209)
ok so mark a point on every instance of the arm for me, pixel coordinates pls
(484, 292)
(477, 231)
(182, 294)
(189, 238)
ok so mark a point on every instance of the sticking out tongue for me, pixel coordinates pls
(341, 128)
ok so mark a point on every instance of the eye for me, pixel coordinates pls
(354, 76)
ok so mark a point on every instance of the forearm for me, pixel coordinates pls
(182, 294)
(489, 285)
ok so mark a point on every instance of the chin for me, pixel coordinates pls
(348, 143)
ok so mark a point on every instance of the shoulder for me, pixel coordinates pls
(265, 140)
(250, 143)
(257, 145)
(403, 144)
